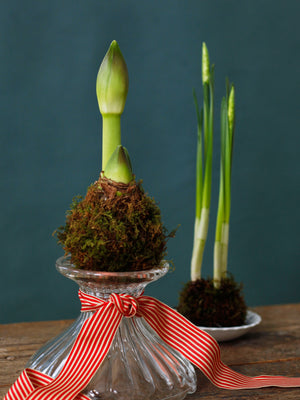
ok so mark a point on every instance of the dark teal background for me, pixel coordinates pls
(51, 135)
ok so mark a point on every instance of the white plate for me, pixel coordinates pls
(233, 332)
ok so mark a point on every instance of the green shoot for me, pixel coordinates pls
(204, 164)
(223, 216)
(118, 167)
(111, 88)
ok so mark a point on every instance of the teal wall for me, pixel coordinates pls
(51, 135)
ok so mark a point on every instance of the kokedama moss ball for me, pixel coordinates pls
(116, 227)
(205, 305)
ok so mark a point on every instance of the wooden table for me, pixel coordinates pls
(272, 348)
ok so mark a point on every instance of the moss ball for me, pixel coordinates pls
(205, 305)
(116, 227)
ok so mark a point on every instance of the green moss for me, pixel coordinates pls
(116, 227)
(205, 305)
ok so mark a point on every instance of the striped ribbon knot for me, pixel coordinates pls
(126, 305)
(96, 337)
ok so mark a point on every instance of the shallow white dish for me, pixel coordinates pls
(233, 332)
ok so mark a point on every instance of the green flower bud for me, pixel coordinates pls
(118, 168)
(231, 112)
(112, 82)
(205, 64)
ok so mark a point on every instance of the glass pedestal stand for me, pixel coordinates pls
(139, 365)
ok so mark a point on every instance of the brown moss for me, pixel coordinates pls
(116, 227)
(204, 305)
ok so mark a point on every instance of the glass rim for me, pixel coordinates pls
(65, 267)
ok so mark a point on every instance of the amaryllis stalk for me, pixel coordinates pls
(112, 88)
(204, 164)
(222, 225)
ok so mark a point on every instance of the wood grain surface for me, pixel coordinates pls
(272, 348)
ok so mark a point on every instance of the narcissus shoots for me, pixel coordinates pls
(205, 128)
(218, 301)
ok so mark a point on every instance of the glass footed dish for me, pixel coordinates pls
(138, 365)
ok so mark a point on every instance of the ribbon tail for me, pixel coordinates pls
(21, 388)
(201, 349)
(28, 381)
(88, 352)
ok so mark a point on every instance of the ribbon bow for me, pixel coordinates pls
(97, 334)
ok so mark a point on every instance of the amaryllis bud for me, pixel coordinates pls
(112, 81)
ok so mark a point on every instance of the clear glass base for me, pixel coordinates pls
(138, 365)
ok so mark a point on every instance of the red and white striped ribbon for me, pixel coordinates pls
(96, 336)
